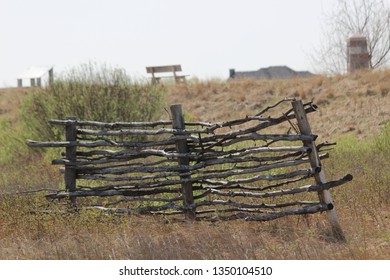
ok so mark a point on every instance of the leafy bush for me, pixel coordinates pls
(90, 93)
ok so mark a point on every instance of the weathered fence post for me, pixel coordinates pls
(325, 196)
(182, 148)
(70, 153)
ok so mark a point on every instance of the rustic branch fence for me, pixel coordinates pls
(201, 170)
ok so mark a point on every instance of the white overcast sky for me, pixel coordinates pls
(207, 37)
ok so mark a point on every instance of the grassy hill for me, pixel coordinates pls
(353, 110)
(357, 103)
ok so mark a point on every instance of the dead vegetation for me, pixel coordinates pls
(355, 103)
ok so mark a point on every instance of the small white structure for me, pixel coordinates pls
(35, 75)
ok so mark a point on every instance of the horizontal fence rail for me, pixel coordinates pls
(204, 171)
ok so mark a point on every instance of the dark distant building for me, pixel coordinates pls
(272, 72)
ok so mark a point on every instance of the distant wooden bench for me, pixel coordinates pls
(166, 69)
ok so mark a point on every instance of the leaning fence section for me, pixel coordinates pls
(197, 170)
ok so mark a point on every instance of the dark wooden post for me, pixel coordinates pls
(70, 153)
(325, 196)
(181, 147)
(154, 79)
(51, 76)
(174, 74)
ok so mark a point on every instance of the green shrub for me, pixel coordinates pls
(90, 93)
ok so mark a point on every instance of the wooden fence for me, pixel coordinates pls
(204, 171)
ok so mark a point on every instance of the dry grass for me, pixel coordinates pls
(355, 103)
(97, 236)
(10, 100)
(353, 109)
